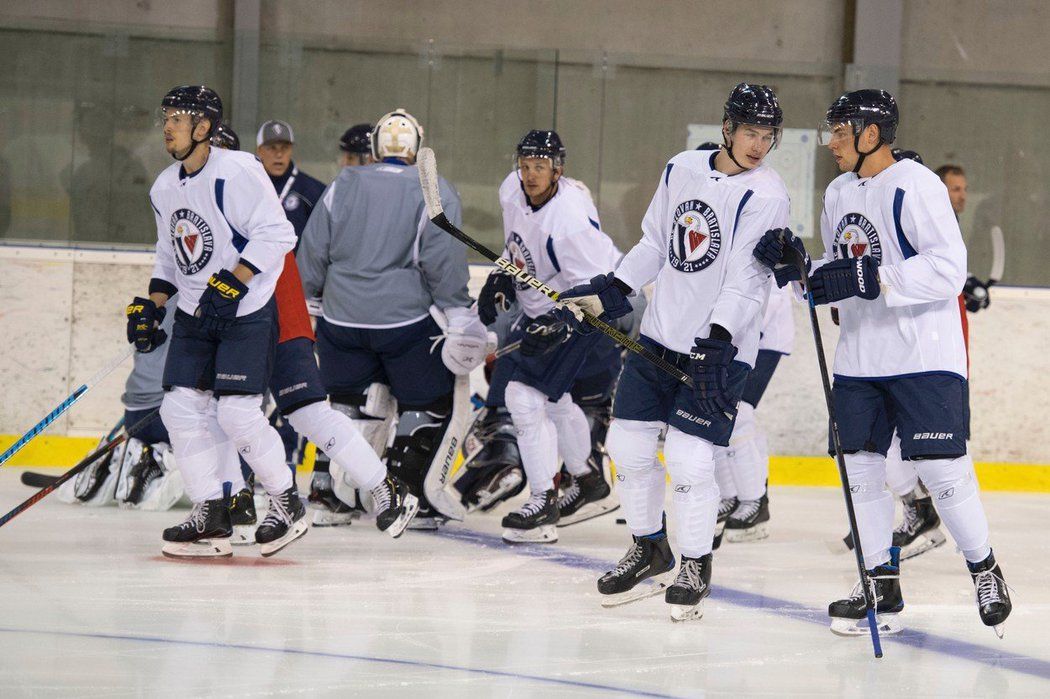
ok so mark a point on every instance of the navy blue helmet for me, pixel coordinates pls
(861, 108)
(542, 144)
(200, 101)
(226, 137)
(753, 104)
(900, 154)
(357, 139)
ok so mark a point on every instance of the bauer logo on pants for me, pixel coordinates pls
(192, 239)
(696, 238)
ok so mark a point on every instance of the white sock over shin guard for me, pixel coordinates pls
(953, 487)
(242, 419)
(574, 434)
(691, 465)
(901, 475)
(185, 415)
(229, 463)
(632, 446)
(724, 472)
(749, 462)
(872, 504)
(537, 436)
(335, 434)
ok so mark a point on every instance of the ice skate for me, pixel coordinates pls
(648, 558)
(204, 534)
(920, 531)
(492, 470)
(849, 617)
(725, 508)
(328, 510)
(585, 498)
(394, 506)
(243, 518)
(284, 522)
(749, 521)
(686, 595)
(993, 597)
(535, 522)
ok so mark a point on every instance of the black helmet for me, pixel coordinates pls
(753, 104)
(542, 144)
(900, 154)
(199, 100)
(861, 108)
(357, 139)
(226, 137)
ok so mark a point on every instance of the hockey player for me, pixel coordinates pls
(355, 146)
(549, 231)
(380, 265)
(221, 242)
(894, 264)
(709, 210)
(742, 468)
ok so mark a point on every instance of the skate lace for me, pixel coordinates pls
(746, 509)
(279, 512)
(987, 584)
(629, 561)
(689, 575)
(912, 520)
(534, 504)
(381, 496)
(726, 506)
(572, 493)
(198, 517)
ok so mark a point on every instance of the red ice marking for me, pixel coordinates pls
(246, 561)
(695, 239)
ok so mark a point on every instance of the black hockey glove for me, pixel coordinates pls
(496, 296)
(975, 294)
(144, 319)
(709, 369)
(604, 296)
(779, 250)
(843, 279)
(543, 335)
(217, 308)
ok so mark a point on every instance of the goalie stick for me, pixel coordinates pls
(428, 180)
(795, 259)
(42, 480)
(62, 407)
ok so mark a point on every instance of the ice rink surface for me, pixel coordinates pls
(89, 608)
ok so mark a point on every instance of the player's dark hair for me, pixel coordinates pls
(948, 169)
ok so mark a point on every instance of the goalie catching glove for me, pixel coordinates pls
(604, 296)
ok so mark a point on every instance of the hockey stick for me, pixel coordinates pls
(998, 256)
(793, 258)
(84, 463)
(428, 180)
(65, 405)
(42, 480)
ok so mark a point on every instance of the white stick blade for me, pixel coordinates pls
(426, 163)
(998, 253)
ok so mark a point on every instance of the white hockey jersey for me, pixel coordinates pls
(561, 243)
(698, 240)
(778, 321)
(903, 218)
(225, 212)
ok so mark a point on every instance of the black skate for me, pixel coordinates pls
(993, 597)
(243, 517)
(492, 470)
(284, 523)
(686, 595)
(535, 522)
(584, 499)
(749, 521)
(328, 510)
(920, 531)
(394, 506)
(205, 533)
(649, 557)
(725, 508)
(849, 617)
(145, 471)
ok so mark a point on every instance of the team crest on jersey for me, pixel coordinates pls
(696, 238)
(855, 236)
(520, 256)
(192, 239)
(291, 202)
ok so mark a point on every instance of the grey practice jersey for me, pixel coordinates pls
(144, 390)
(371, 253)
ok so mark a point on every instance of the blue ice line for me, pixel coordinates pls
(962, 650)
(341, 656)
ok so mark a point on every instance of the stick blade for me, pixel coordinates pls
(998, 254)
(426, 163)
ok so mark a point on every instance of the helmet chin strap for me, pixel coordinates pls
(861, 156)
(195, 143)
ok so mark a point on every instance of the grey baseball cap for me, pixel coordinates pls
(274, 130)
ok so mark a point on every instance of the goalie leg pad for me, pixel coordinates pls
(96, 485)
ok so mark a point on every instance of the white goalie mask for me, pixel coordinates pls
(396, 135)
